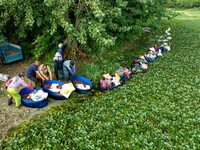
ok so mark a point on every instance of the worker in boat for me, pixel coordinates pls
(12, 88)
(69, 69)
(57, 60)
(45, 71)
(34, 75)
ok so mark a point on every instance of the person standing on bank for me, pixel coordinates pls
(57, 60)
(60, 50)
(12, 88)
(33, 73)
(45, 71)
(69, 69)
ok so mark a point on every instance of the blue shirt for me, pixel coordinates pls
(31, 70)
(61, 52)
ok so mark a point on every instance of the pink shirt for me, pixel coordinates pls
(16, 82)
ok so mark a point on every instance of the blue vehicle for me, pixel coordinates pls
(10, 52)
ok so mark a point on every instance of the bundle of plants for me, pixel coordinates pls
(53, 88)
(27, 97)
(81, 85)
(37, 95)
(49, 86)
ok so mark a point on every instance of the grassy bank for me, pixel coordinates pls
(156, 110)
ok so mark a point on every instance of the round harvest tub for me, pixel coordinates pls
(51, 93)
(84, 80)
(136, 59)
(32, 104)
(126, 79)
(165, 50)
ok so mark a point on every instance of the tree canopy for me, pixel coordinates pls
(89, 25)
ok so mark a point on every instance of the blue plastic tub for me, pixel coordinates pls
(163, 50)
(143, 71)
(84, 80)
(166, 51)
(52, 94)
(32, 104)
(126, 79)
(136, 58)
(150, 61)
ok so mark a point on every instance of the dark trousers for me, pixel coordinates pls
(66, 73)
(36, 81)
(58, 67)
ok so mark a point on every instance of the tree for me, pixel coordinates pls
(86, 25)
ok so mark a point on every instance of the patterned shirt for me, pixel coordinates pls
(16, 82)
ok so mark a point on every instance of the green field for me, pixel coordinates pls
(157, 110)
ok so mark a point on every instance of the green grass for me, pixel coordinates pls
(157, 110)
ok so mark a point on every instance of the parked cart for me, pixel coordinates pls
(10, 52)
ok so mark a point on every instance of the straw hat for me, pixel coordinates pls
(150, 52)
(107, 76)
(165, 44)
(142, 57)
(152, 49)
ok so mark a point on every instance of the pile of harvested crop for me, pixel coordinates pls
(27, 97)
(49, 86)
(75, 82)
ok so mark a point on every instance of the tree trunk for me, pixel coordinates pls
(80, 8)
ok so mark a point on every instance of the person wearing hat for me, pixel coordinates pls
(12, 88)
(165, 47)
(107, 80)
(69, 69)
(153, 51)
(57, 60)
(60, 47)
(144, 63)
(45, 71)
(143, 60)
(34, 75)
(156, 48)
(149, 56)
(137, 68)
(164, 44)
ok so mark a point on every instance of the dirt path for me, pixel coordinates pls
(10, 116)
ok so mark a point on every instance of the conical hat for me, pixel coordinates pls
(152, 49)
(165, 44)
(107, 76)
(142, 57)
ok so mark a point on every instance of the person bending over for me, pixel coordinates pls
(45, 71)
(34, 75)
(12, 88)
(69, 69)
